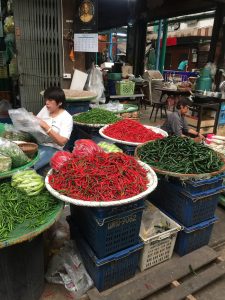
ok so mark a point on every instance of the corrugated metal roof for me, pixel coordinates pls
(197, 32)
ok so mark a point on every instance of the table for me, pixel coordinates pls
(199, 107)
(135, 97)
(171, 92)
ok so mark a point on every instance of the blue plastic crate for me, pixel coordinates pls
(105, 212)
(221, 118)
(194, 237)
(222, 106)
(107, 235)
(127, 148)
(112, 269)
(74, 107)
(112, 87)
(188, 210)
(194, 187)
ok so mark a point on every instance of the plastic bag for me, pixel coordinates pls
(85, 147)
(12, 134)
(109, 147)
(67, 268)
(152, 222)
(95, 84)
(59, 158)
(27, 122)
(11, 149)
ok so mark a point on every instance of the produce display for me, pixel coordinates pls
(96, 116)
(131, 131)
(180, 155)
(19, 209)
(12, 150)
(28, 182)
(107, 147)
(100, 177)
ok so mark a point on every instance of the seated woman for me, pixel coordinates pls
(56, 122)
(176, 124)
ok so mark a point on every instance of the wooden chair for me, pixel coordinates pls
(145, 89)
(157, 102)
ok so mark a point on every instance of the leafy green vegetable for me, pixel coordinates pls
(28, 181)
(11, 149)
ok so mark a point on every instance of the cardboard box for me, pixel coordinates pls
(221, 130)
(204, 130)
(192, 121)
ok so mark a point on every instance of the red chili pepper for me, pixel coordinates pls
(103, 177)
(131, 131)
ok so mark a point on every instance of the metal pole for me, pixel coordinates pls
(158, 45)
(111, 47)
(163, 50)
(217, 25)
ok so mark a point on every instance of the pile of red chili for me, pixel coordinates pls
(131, 131)
(100, 177)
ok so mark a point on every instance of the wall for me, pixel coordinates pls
(68, 26)
(174, 54)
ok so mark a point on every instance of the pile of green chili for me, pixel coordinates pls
(18, 208)
(96, 116)
(180, 155)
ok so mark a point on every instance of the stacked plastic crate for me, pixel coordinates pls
(222, 115)
(108, 240)
(192, 204)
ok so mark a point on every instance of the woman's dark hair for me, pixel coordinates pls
(57, 94)
(183, 102)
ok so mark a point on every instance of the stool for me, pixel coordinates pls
(157, 106)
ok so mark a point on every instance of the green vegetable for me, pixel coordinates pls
(107, 147)
(5, 163)
(11, 149)
(180, 155)
(28, 181)
(18, 208)
(96, 116)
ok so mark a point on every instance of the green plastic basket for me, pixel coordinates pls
(125, 88)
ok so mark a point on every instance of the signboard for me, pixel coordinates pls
(86, 18)
(86, 42)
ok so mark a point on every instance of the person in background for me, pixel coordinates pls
(183, 65)
(176, 123)
(56, 122)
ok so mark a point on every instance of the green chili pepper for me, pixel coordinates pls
(180, 155)
(96, 116)
(17, 207)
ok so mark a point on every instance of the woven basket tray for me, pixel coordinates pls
(181, 175)
(152, 184)
(30, 149)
